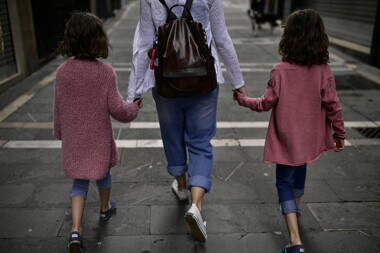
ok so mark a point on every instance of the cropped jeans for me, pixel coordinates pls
(290, 184)
(80, 186)
(187, 126)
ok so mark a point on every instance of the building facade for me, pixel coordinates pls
(31, 29)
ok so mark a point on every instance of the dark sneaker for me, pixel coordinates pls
(75, 243)
(293, 249)
(107, 214)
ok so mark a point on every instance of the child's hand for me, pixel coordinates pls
(339, 144)
(138, 102)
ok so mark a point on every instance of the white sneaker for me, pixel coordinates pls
(182, 195)
(197, 225)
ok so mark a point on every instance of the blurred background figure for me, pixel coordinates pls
(260, 14)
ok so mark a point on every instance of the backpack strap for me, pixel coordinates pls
(186, 10)
(171, 15)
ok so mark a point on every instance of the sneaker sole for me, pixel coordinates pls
(195, 230)
(74, 247)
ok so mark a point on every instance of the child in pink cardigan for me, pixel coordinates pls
(86, 97)
(306, 116)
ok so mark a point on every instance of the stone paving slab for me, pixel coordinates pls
(142, 156)
(30, 156)
(319, 191)
(19, 134)
(232, 192)
(350, 170)
(31, 222)
(136, 171)
(12, 195)
(134, 220)
(242, 243)
(32, 245)
(258, 217)
(138, 194)
(373, 235)
(148, 244)
(29, 195)
(355, 154)
(168, 219)
(356, 189)
(18, 173)
(234, 154)
(338, 242)
(347, 216)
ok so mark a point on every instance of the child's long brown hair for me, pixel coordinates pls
(304, 41)
(84, 37)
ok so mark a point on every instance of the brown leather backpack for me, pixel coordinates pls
(182, 60)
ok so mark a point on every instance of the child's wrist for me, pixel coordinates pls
(338, 137)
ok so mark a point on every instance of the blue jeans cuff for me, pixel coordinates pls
(199, 181)
(78, 193)
(298, 192)
(177, 171)
(288, 206)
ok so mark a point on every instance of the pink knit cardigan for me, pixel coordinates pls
(305, 113)
(86, 95)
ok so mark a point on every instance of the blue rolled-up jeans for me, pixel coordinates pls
(290, 184)
(187, 126)
(80, 186)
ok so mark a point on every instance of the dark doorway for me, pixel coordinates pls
(50, 17)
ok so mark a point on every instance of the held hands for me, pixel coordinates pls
(339, 144)
(238, 94)
(138, 102)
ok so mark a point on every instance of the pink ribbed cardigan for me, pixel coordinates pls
(86, 96)
(306, 112)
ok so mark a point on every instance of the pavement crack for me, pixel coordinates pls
(243, 235)
(32, 118)
(233, 172)
(150, 197)
(139, 168)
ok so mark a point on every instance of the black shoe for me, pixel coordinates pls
(107, 214)
(293, 249)
(75, 243)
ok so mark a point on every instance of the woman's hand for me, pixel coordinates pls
(241, 90)
(138, 102)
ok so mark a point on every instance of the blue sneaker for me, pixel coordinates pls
(107, 214)
(75, 243)
(293, 249)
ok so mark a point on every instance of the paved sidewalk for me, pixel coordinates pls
(340, 210)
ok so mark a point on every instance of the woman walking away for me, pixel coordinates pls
(306, 116)
(187, 124)
(86, 97)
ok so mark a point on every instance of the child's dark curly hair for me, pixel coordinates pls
(84, 37)
(304, 41)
